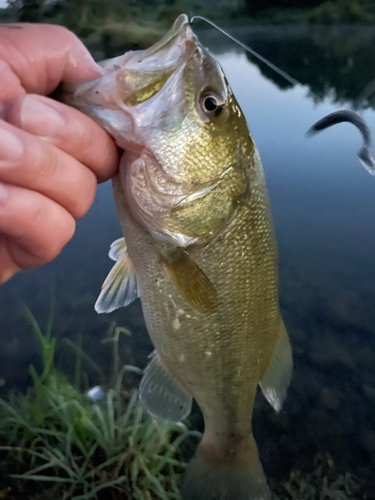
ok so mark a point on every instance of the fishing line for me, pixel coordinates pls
(365, 155)
(268, 63)
(364, 95)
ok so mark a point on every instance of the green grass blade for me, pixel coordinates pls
(51, 313)
(38, 477)
(96, 489)
(88, 360)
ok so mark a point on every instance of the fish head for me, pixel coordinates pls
(187, 146)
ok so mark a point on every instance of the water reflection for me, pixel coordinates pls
(323, 203)
(334, 62)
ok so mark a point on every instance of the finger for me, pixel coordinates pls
(11, 86)
(8, 267)
(34, 229)
(69, 130)
(30, 162)
(42, 55)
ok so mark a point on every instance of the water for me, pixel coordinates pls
(323, 203)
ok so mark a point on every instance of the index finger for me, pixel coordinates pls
(35, 58)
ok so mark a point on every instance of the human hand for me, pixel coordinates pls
(51, 155)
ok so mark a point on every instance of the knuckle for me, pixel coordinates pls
(60, 177)
(86, 198)
(51, 250)
(96, 148)
(8, 267)
(6, 273)
(62, 227)
(67, 234)
(12, 145)
(92, 140)
(42, 160)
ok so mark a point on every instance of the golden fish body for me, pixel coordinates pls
(218, 356)
(200, 252)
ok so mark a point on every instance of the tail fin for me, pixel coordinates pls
(238, 479)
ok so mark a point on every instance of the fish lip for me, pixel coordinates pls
(172, 50)
(179, 33)
(178, 28)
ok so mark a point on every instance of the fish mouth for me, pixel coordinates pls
(175, 45)
(167, 52)
(132, 79)
(149, 89)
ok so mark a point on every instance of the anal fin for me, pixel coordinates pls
(276, 379)
(160, 394)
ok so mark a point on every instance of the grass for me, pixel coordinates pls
(56, 437)
(57, 444)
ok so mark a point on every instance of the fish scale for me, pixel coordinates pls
(200, 252)
(244, 322)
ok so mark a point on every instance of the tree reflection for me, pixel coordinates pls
(334, 62)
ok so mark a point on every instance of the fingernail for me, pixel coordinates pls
(3, 192)
(11, 148)
(39, 118)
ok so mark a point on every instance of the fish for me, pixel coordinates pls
(198, 248)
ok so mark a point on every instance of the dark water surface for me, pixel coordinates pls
(323, 205)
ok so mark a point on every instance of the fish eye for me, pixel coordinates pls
(210, 104)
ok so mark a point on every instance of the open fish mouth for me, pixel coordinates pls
(130, 81)
(174, 49)
(165, 53)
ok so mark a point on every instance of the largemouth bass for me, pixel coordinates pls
(200, 251)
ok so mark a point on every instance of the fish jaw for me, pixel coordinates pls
(113, 99)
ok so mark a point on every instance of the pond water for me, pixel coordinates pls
(323, 205)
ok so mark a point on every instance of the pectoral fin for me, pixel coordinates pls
(192, 283)
(275, 381)
(117, 250)
(160, 394)
(120, 287)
